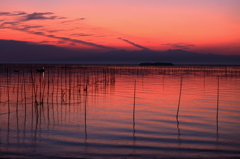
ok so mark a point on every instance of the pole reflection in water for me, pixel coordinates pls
(134, 102)
(179, 100)
(87, 111)
(217, 109)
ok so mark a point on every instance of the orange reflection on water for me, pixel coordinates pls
(98, 110)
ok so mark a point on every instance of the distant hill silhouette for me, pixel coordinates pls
(14, 51)
(18, 51)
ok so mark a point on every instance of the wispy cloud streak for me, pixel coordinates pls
(80, 42)
(54, 31)
(23, 16)
(12, 14)
(26, 29)
(78, 19)
(132, 43)
(180, 45)
(40, 16)
(81, 34)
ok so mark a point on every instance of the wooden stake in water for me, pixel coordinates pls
(8, 93)
(17, 94)
(217, 107)
(8, 103)
(25, 96)
(134, 101)
(179, 139)
(179, 100)
(85, 116)
(33, 85)
(17, 104)
(0, 89)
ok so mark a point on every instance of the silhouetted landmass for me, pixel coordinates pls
(18, 51)
(156, 64)
(14, 51)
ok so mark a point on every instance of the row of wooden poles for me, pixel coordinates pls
(54, 87)
(62, 84)
(104, 75)
(44, 85)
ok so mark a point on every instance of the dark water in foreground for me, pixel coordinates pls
(95, 111)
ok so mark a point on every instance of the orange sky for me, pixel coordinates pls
(202, 26)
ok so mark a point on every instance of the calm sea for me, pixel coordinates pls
(119, 111)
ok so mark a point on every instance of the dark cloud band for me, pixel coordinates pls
(78, 19)
(132, 43)
(12, 14)
(180, 45)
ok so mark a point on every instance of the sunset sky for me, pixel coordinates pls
(204, 26)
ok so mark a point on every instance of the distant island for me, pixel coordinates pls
(156, 64)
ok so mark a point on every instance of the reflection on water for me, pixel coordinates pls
(95, 111)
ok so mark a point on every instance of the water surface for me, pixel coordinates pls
(96, 111)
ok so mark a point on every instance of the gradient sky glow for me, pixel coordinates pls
(205, 26)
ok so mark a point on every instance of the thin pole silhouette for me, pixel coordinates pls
(85, 116)
(180, 93)
(33, 85)
(179, 100)
(8, 93)
(17, 94)
(8, 108)
(217, 108)
(134, 102)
